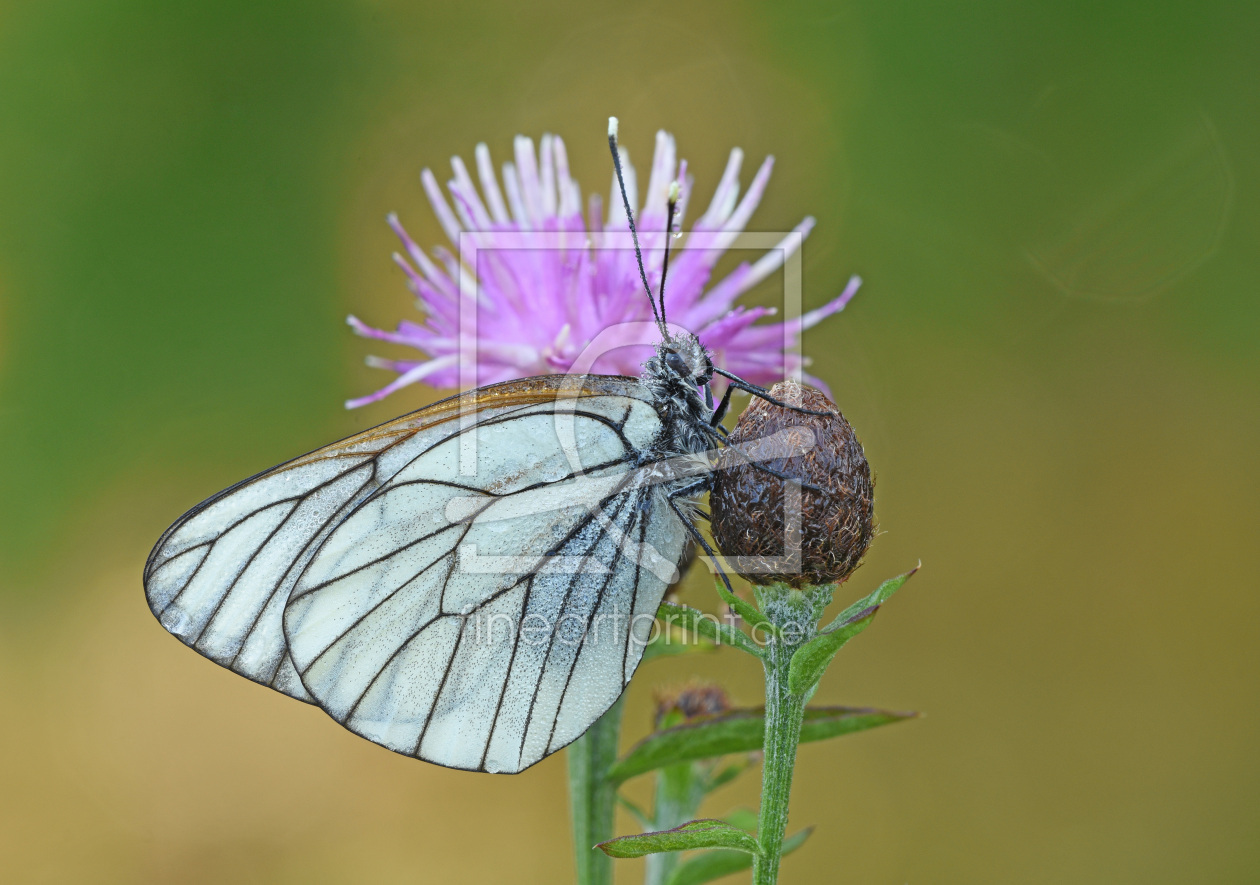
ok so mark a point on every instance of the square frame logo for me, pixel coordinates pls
(477, 251)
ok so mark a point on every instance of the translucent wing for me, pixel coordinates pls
(482, 619)
(372, 544)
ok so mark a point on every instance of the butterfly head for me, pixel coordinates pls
(678, 376)
(681, 365)
(685, 359)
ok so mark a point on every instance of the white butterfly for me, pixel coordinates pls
(471, 584)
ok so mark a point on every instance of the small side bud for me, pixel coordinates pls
(837, 517)
(693, 700)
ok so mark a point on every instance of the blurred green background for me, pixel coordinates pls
(1053, 366)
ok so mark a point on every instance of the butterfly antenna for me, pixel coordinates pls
(638, 254)
(669, 235)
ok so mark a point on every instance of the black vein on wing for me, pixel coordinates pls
(386, 598)
(332, 518)
(374, 450)
(178, 556)
(516, 644)
(450, 566)
(494, 496)
(152, 565)
(638, 577)
(529, 717)
(315, 588)
(386, 489)
(371, 476)
(621, 425)
(389, 488)
(547, 411)
(249, 560)
(210, 547)
(530, 577)
(631, 503)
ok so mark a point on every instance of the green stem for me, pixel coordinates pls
(796, 614)
(592, 798)
(785, 712)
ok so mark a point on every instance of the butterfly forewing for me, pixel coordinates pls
(472, 611)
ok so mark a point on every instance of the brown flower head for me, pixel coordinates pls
(837, 517)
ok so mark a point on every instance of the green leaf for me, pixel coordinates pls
(715, 864)
(744, 818)
(796, 840)
(745, 610)
(700, 623)
(739, 731)
(881, 594)
(824, 723)
(693, 834)
(812, 659)
(725, 775)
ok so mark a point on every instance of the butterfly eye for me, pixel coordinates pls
(677, 364)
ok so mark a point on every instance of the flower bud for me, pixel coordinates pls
(693, 700)
(837, 515)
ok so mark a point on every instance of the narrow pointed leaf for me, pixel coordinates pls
(744, 609)
(725, 775)
(723, 862)
(744, 818)
(700, 623)
(812, 659)
(739, 731)
(635, 811)
(693, 834)
(876, 598)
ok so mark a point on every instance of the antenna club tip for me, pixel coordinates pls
(612, 127)
(674, 191)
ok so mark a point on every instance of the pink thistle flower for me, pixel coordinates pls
(537, 309)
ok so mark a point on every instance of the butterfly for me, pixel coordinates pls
(474, 583)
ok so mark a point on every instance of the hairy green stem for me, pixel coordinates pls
(592, 798)
(785, 712)
(795, 613)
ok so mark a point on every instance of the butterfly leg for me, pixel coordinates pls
(757, 465)
(761, 392)
(720, 412)
(696, 536)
